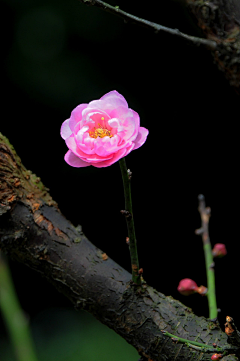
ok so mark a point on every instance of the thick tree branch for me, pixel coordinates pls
(33, 231)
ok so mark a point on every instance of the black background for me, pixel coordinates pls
(58, 54)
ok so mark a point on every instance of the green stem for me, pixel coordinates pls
(130, 223)
(211, 293)
(196, 345)
(212, 303)
(184, 340)
(12, 313)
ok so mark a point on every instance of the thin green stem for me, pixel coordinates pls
(211, 293)
(184, 340)
(130, 223)
(15, 320)
(212, 303)
(197, 345)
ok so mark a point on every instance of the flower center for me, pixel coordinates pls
(100, 132)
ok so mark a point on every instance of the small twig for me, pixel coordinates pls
(212, 45)
(205, 215)
(131, 239)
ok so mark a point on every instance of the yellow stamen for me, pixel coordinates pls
(102, 118)
(100, 132)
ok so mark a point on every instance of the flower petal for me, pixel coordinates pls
(117, 97)
(74, 161)
(76, 115)
(109, 102)
(141, 137)
(65, 130)
(120, 154)
(85, 143)
(129, 149)
(129, 120)
(71, 143)
(106, 146)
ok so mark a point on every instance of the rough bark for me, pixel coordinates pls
(220, 21)
(33, 231)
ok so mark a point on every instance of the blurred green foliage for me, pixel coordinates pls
(68, 335)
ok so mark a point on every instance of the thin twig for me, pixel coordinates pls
(129, 219)
(211, 295)
(210, 44)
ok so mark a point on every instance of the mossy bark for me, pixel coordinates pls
(33, 231)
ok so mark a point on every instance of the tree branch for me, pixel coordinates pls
(33, 231)
(149, 24)
(219, 20)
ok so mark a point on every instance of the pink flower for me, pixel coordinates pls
(187, 287)
(102, 132)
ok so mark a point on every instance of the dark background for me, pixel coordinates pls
(58, 54)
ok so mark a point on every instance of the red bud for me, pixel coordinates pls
(187, 287)
(219, 250)
(216, 356)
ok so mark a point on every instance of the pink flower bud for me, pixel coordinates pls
(219, 250)
(187, 287)
(216, 356)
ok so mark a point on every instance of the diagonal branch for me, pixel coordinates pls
(210, 44)
(33, 231)
(219, 20)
